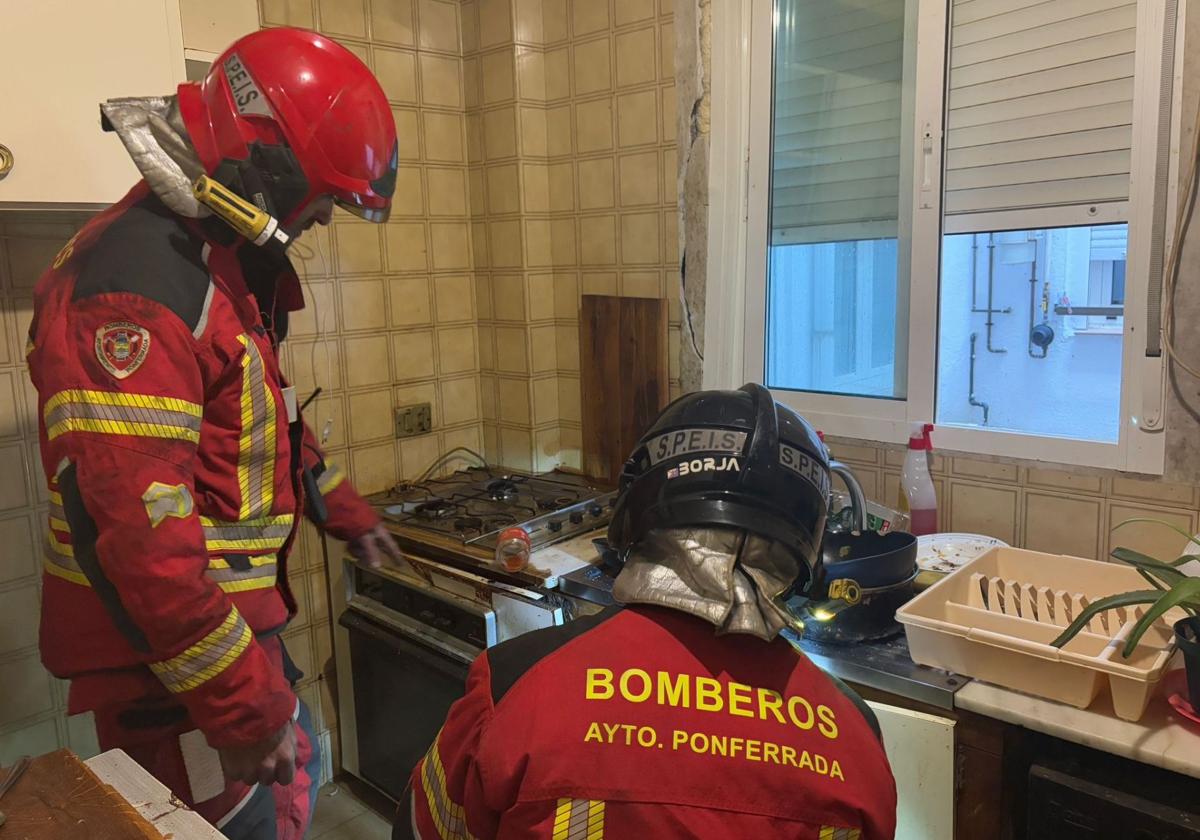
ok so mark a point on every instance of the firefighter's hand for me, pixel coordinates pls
(267, 762)
(373, 546)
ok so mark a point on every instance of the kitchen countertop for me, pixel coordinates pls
(1161, 738)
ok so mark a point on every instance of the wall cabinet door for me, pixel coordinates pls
(920, 748)
(58, 60)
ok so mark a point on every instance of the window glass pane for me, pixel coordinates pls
(834, 267)
(1031, 329)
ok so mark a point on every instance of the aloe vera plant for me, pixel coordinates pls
(1171, 588)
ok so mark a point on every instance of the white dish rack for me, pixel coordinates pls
(994, 619)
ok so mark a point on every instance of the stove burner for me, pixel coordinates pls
(502, 489)
(435, 509)
(496, 522)
(544, 503)
(468, 523)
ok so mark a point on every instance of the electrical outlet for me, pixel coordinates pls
(414, 420)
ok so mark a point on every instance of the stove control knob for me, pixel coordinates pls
(576, 517)
(554, 525)
(595, 509)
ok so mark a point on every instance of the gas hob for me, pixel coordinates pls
(473, 506)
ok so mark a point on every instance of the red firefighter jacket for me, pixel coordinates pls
(643, 723)
(173, 491)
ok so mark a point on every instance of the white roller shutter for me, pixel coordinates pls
(1040, 103)
(837, 121)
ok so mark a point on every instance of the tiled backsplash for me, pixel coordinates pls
(1047, 509)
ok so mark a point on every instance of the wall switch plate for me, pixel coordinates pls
(414, 420)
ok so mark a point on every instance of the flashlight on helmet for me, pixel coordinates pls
(250, 221)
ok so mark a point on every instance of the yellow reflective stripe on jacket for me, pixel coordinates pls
(208, 658)
(256, 444)
(448, 816)
(579, 819)
(267, 533)
(119, 413)
(330, 479)
(58, 559)
(259, 574)
(832, 832)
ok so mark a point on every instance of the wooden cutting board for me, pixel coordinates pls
(624, 377)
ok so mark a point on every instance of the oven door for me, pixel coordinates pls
(403, 688)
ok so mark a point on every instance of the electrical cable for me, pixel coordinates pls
(1171, 275)
(319, 317)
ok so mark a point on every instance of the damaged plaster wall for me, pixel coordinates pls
(1183, 399)
(693, 48)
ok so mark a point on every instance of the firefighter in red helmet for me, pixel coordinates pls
(176, 459)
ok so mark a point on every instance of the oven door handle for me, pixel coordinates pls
(399, 641)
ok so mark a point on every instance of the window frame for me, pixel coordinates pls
(739, 183)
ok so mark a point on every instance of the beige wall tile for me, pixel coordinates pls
(34, 739)
(360, 50)
(475, 152)
(1063, 525)
(417, 454)
(447, 191)
(21, 552)
(460, 400)
(545, 400)
(635, 57)
(508, 296)
(417, 393)
(358, 249)
(477, 193)
(599, 283)
(538, 246)
(10, 405)
(1137, 490)
(535, 180)
(472, 82)
(396, 71)
(666, 50)
(408, 134)
(554, 21)
(327, 408)
(640, 238)
(639, 179)
(566, 253)
(1149, 537)
(592, 66)
(469, 19)
(363, 304)
(409, 198)
(632, 11)
(512, 355)
(566, 296)
(456, 350)
(1075, 482)
(978, 509)
(670, 229)
(561, 187)
(405, 245)
(28, 258)
(531, 74)
(516, 448)
(441, 81)
(287, 13)
(483, 297)
(487, 397)
(500, 133)
(568, 347)
(413, 355)
(495, 22)
(470, 437)
(371, 416)
(410, 305)
(392, 20)
(451, 246)
(367, 361)
(588, 16)
(498, 73)
(990, 470)
(444, 137)
(533, 131)
(505, 243)
(27, 689)
(558, 77)
(593, 125)
(544, 348)
(19, 615)
(669, 105)
(455, 296)
(637, 118)
(14, 492)
(547, 449)
(596, 184)
(343, 17)
(598, 240)
(528, 14)
(316, 363)
(569, 396)
(373, 469)
(540, 288)
(643, 284)
(558, 131)
(514, 400)
(503, 193)
(438, 26)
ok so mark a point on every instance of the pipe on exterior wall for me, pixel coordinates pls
(991, 287)
(971, 383)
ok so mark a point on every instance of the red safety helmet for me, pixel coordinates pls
(286, 116)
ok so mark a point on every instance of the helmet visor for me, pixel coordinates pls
(371, 214)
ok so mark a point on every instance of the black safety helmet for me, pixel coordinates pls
(727, 458)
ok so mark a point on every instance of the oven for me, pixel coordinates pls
(409, 643)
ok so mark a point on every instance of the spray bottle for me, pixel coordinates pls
(917, 496)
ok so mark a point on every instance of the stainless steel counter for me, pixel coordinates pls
(884, 666)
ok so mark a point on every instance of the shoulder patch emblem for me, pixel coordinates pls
(121, 347)
(163, 500)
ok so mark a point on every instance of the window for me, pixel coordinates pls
(965, 232)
